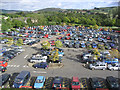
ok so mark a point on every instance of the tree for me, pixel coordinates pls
(58, 43)
(10, 42)
(19, 42)
(45, 45)
(95, 27)
(54, 55)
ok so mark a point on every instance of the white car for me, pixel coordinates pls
(98, 65)
(90, 39)
(115, 66)
(86, 56)
(35, 60)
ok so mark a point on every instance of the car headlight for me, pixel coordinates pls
(13, 86)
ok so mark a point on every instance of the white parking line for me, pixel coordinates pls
(39, 72)
(26, 56)
(17, 65)
(14, 66)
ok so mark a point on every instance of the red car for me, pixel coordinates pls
(108, 37)
(59, 37)
(52, 42)
(75, 84)
(67, 38)
(3, 63)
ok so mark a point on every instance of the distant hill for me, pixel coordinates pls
(50, 10)
(9, 11)
(98, 10)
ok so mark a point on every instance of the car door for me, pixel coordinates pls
(97, 66)
(116, 67)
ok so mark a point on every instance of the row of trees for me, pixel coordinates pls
(52, 18)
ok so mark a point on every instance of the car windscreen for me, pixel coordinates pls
(39, 81)
(18, 80)
(56, 85)
(75, 83)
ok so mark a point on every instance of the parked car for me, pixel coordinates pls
(85, 84)
(37, 60)
(57, 82)
(21, 79)
(12, 78)
(39, 82)
(3, 63)
(115, 66)
(4, 78)
(41, 65)
(111, 61)
(77, 44)
(75, 83)
(98, 65)
(112, 83)
(2, 69)
(97, 82)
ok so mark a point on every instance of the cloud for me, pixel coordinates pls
(31, 5)
(59, 4)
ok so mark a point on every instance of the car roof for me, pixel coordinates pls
(111, 78)
(57, 80)
(40, 77)
(23, 74)
(75, 79)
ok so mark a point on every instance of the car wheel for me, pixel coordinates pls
(93, 68)
(103, 68)
(112, 69)
(45, 67)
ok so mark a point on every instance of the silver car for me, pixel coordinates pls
(98, 65)
(115, 66)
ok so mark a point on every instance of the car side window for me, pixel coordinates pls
(97, 65)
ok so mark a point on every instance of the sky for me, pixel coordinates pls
(32, 5)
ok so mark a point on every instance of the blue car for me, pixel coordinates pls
(39, 83)
(100, 39)
(94, 45)
(83, 45)
(111, 61)
(41, 65)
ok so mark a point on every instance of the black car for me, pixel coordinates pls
(77, 44)
(9, 53)
(112, 83)
(12, 78)
(4, 77)
(85, 83)
(10, 56)
(97, 82)
(71, 44)
(2, 69)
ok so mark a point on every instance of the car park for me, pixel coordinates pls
(74, 35)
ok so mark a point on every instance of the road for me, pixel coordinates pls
(72, 65)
